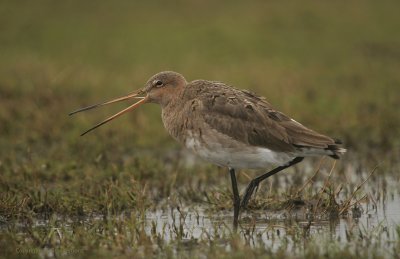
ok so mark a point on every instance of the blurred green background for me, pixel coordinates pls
(332, 65)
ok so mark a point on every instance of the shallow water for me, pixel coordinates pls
(372, 225)
(269, 228)
(373, 222)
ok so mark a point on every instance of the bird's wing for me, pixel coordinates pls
(250, 119)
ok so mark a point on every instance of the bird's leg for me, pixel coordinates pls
(236, 198)
(256, 181)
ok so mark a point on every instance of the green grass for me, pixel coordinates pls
(325, 64)
(331, 65)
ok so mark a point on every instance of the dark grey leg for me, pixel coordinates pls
(236, 197)
(256, 181)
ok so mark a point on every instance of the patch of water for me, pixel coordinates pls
(270, 228)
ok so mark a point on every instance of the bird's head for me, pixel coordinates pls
(161, 88)
(164, 87)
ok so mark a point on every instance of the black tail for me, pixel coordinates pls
(336, 149)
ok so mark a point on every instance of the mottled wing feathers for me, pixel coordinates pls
(250, 119)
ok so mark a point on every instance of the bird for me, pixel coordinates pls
(229, 127)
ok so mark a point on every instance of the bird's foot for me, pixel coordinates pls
(236, 210)
(253, 186)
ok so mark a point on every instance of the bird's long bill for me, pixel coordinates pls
(131, 107)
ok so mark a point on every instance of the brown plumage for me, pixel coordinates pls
(229, 127)
(243, 116)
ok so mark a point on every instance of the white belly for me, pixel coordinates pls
(227, 152)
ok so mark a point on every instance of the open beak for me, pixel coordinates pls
(123, 98)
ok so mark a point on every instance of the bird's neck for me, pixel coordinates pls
(172, 100)
(172, 115)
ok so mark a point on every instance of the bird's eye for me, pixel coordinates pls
(158, 83)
